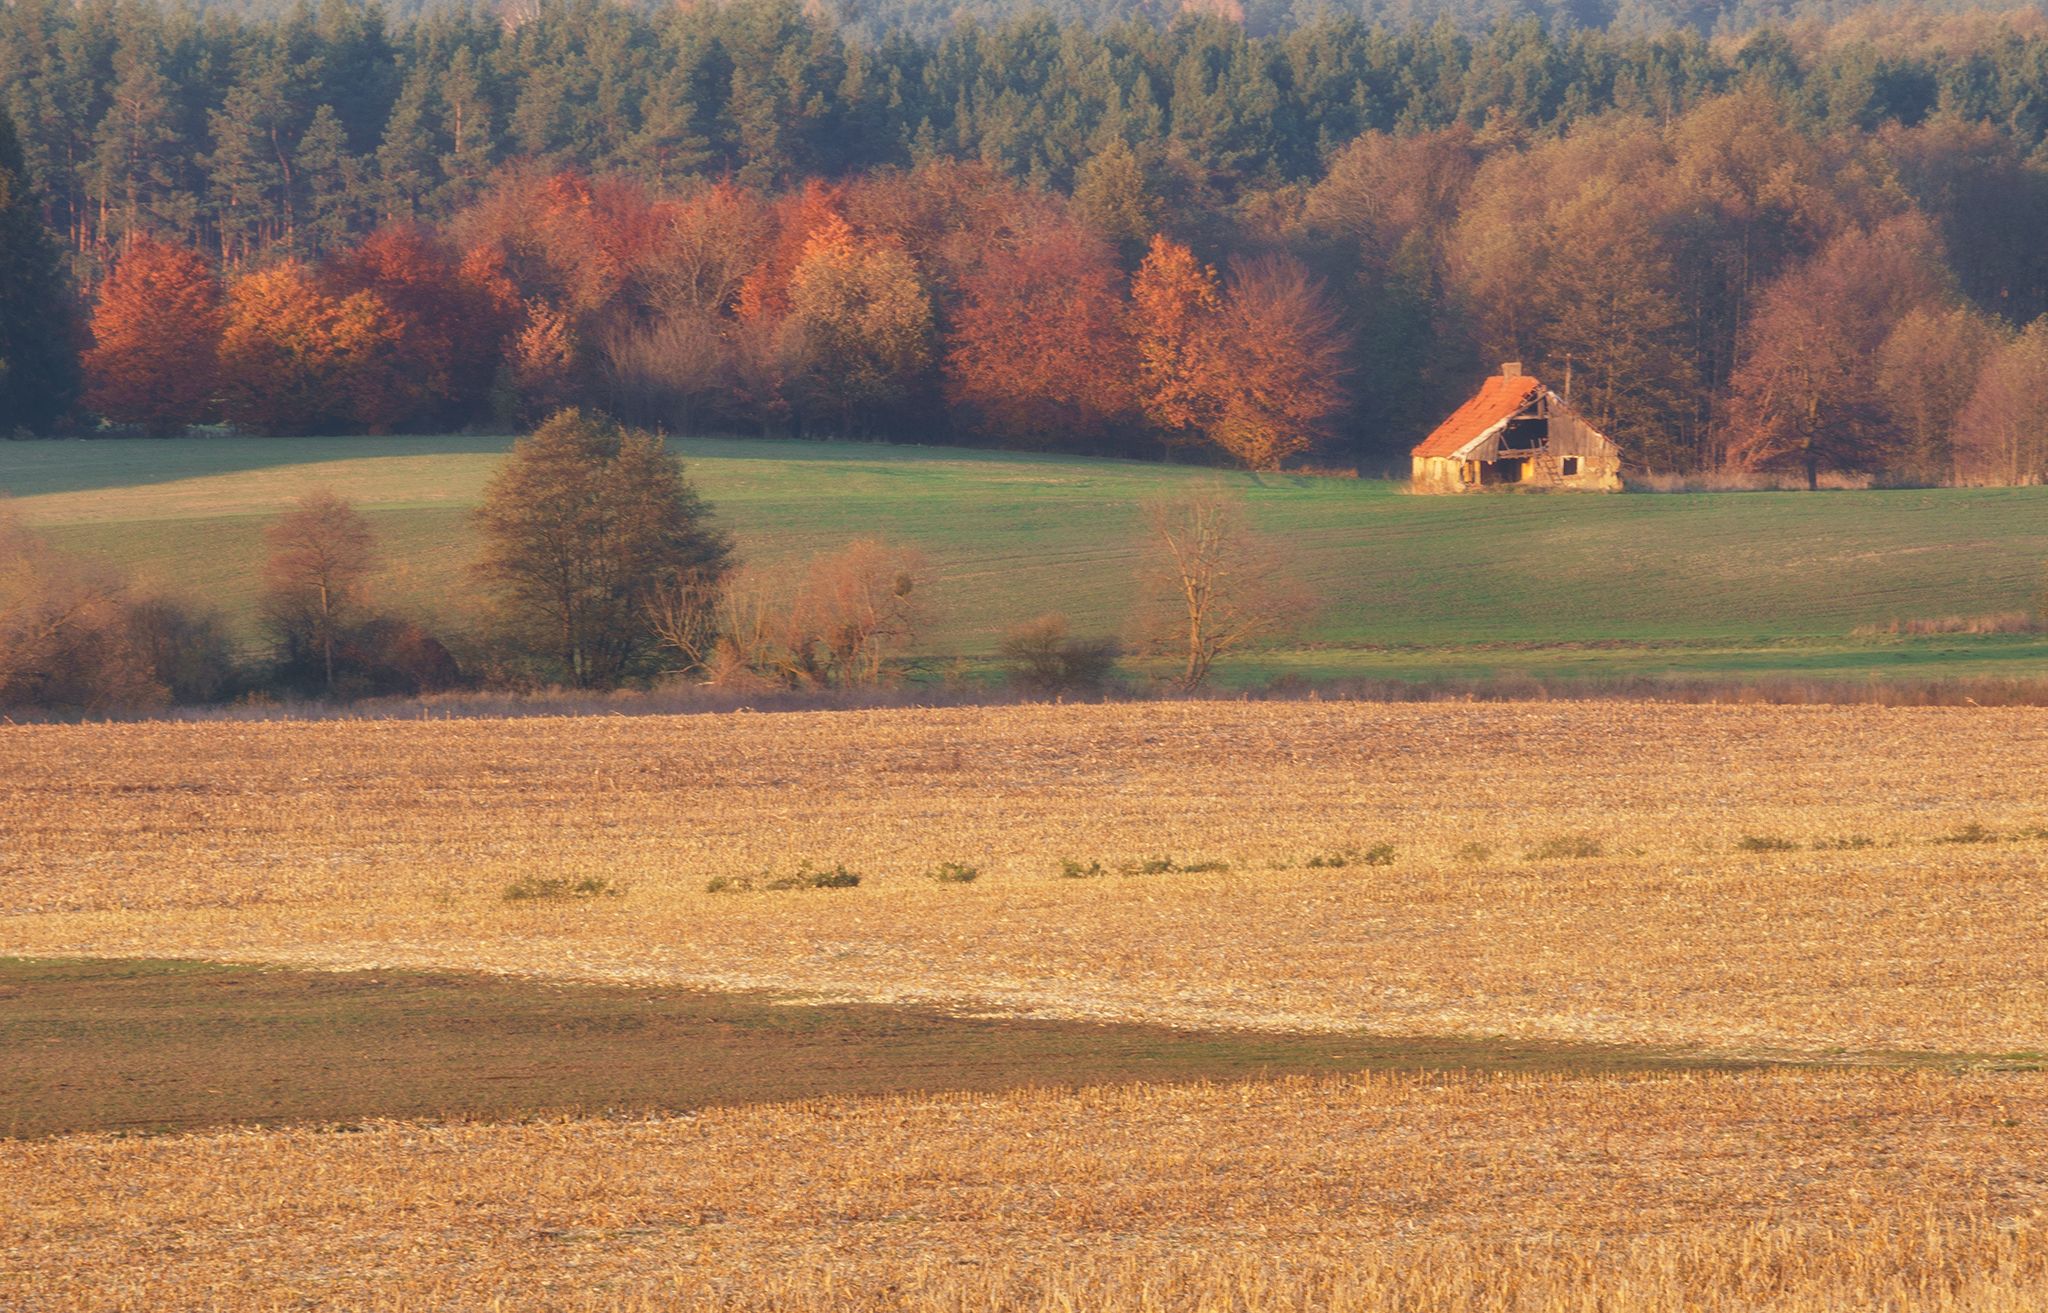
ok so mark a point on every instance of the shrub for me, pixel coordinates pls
(1475, 852)
(1971, 833)
(1380, 854)
(953, 873)
(541, 889)
(66, 634)
(1073, 870)
(1564, 846)
(190, 651)
(1764, 843)
(1043, 657)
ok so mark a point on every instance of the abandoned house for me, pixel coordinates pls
(1513, 432)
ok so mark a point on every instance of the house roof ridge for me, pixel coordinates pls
(1498, 398)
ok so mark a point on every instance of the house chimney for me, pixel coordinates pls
(1511, 369)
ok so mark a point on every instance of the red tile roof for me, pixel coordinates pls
(1498, 398)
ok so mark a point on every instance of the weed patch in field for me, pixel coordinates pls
(1765, 843)
(1566, 847)
(1169, 866)
(559, 889)
(804, 877)
(1843, 843)
(953, 873)
(1971, 833)
(1380, 854)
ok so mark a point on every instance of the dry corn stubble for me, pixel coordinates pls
(390, 844)
(1788, 1190)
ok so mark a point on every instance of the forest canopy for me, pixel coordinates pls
(1260, 232)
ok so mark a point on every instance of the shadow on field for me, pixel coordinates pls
(153, 1045)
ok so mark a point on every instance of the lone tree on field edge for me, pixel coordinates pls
(585, 528)
(1216, 584)
(322, 554)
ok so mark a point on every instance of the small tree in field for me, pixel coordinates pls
(321, 556)
(1216, 585)
(583, 529)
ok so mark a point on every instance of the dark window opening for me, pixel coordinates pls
(1571, 465)
(1525, 435)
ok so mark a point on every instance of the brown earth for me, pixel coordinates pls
(157, 1045)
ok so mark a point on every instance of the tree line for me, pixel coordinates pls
(601, 567)
(1250, 240)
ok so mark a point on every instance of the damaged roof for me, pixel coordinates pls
(1500, 397)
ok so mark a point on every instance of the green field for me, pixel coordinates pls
(1412, 586)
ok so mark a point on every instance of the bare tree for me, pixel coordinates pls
(857, 607)
(685, 612)
(322, 554)
(835, 621)
(1216, 584)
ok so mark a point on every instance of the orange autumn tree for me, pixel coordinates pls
(1256, 372)
(295, 358)
(1175, 303)
(1039, 350)
(857, 334)
(156, 331)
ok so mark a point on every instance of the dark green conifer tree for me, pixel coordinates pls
(38, 331)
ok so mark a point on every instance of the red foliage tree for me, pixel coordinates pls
(1039, 350)
(580, 244)
(156, 328)
(451, 328)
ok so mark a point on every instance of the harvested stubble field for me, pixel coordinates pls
(1873, 1190)
(1853, 890)
(392, 844)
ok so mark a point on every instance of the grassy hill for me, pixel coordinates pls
(1412, 585)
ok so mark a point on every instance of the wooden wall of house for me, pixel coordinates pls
(1599, 459)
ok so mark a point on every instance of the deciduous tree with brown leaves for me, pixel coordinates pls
(583, 528)
(2002, 433)
(1806, 396)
